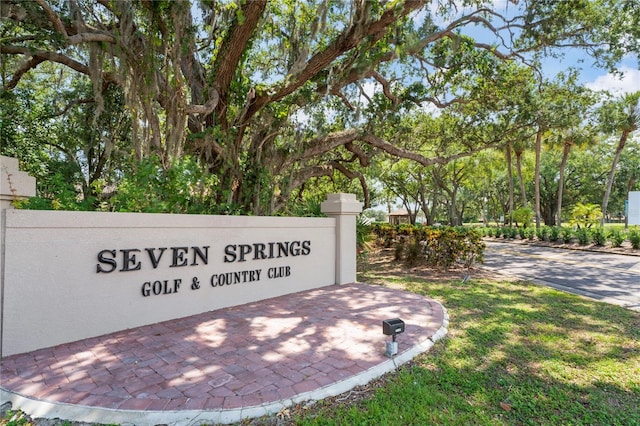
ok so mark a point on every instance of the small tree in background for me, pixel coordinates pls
(585, 215)
(523, 216)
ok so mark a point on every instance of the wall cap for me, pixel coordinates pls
(341, 203)
(16, 184)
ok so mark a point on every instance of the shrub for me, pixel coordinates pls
(399, 250)
(543, 233)
(413, 253)
(634, 237)
(598, 237)
(523, 216)
(184, 187)
(385, 233)
(583, 236)
(441, 247)
(472, 249)
(406, 229)
(554, 233)
(566, 234)
(363, 235)
(617, 237)
(530, 233)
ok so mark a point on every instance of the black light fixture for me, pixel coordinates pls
(392, 327)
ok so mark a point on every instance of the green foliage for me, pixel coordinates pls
(385, 234)
(398, 252)
(566, 234)
(504, 231)
(182, 188)
(598, 237)
(363, 236)
(413, 252)
(583, 236)
(523, 216)
(498, 232)
(308, 207)
(374, 215)
(530, 233)
(617, 237)
(634, 238)
(111, 109)
(554, 233)
(585, 215)
(16, 418)
(57, 193)
(440, 247)
(543, 233)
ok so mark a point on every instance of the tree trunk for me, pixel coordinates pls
(523, 192)
(510, 178)
(563, 163)
(410, 211)
(616, 157)
(537, 175)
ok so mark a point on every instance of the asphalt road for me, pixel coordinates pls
(610, 278)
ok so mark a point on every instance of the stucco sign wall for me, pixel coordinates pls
(72, 275)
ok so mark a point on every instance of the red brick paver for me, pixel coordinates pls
(231, 358)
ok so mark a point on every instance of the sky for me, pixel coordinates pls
(592, 77)
(595, 79)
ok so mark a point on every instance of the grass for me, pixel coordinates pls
(516, 354)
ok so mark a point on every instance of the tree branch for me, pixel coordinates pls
(403, 153)
(97, 37)
(205, 109)
(362, 156)
(53, 17)
(67, 108)
(321, 145)
(386, 88)
(39, 56)
(354, 175)
(235, 44)
(350, 38)
(26, 66)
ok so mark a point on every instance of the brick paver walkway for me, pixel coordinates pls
(225, 365)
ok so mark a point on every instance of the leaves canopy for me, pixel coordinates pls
(268, 96)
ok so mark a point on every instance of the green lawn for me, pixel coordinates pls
(516, 354)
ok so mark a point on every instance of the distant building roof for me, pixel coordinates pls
(399, 212)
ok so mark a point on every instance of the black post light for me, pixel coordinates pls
(392, 327)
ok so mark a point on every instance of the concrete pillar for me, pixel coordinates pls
(14, 184)
(344, 208)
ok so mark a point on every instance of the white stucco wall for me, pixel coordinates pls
(53, 293)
